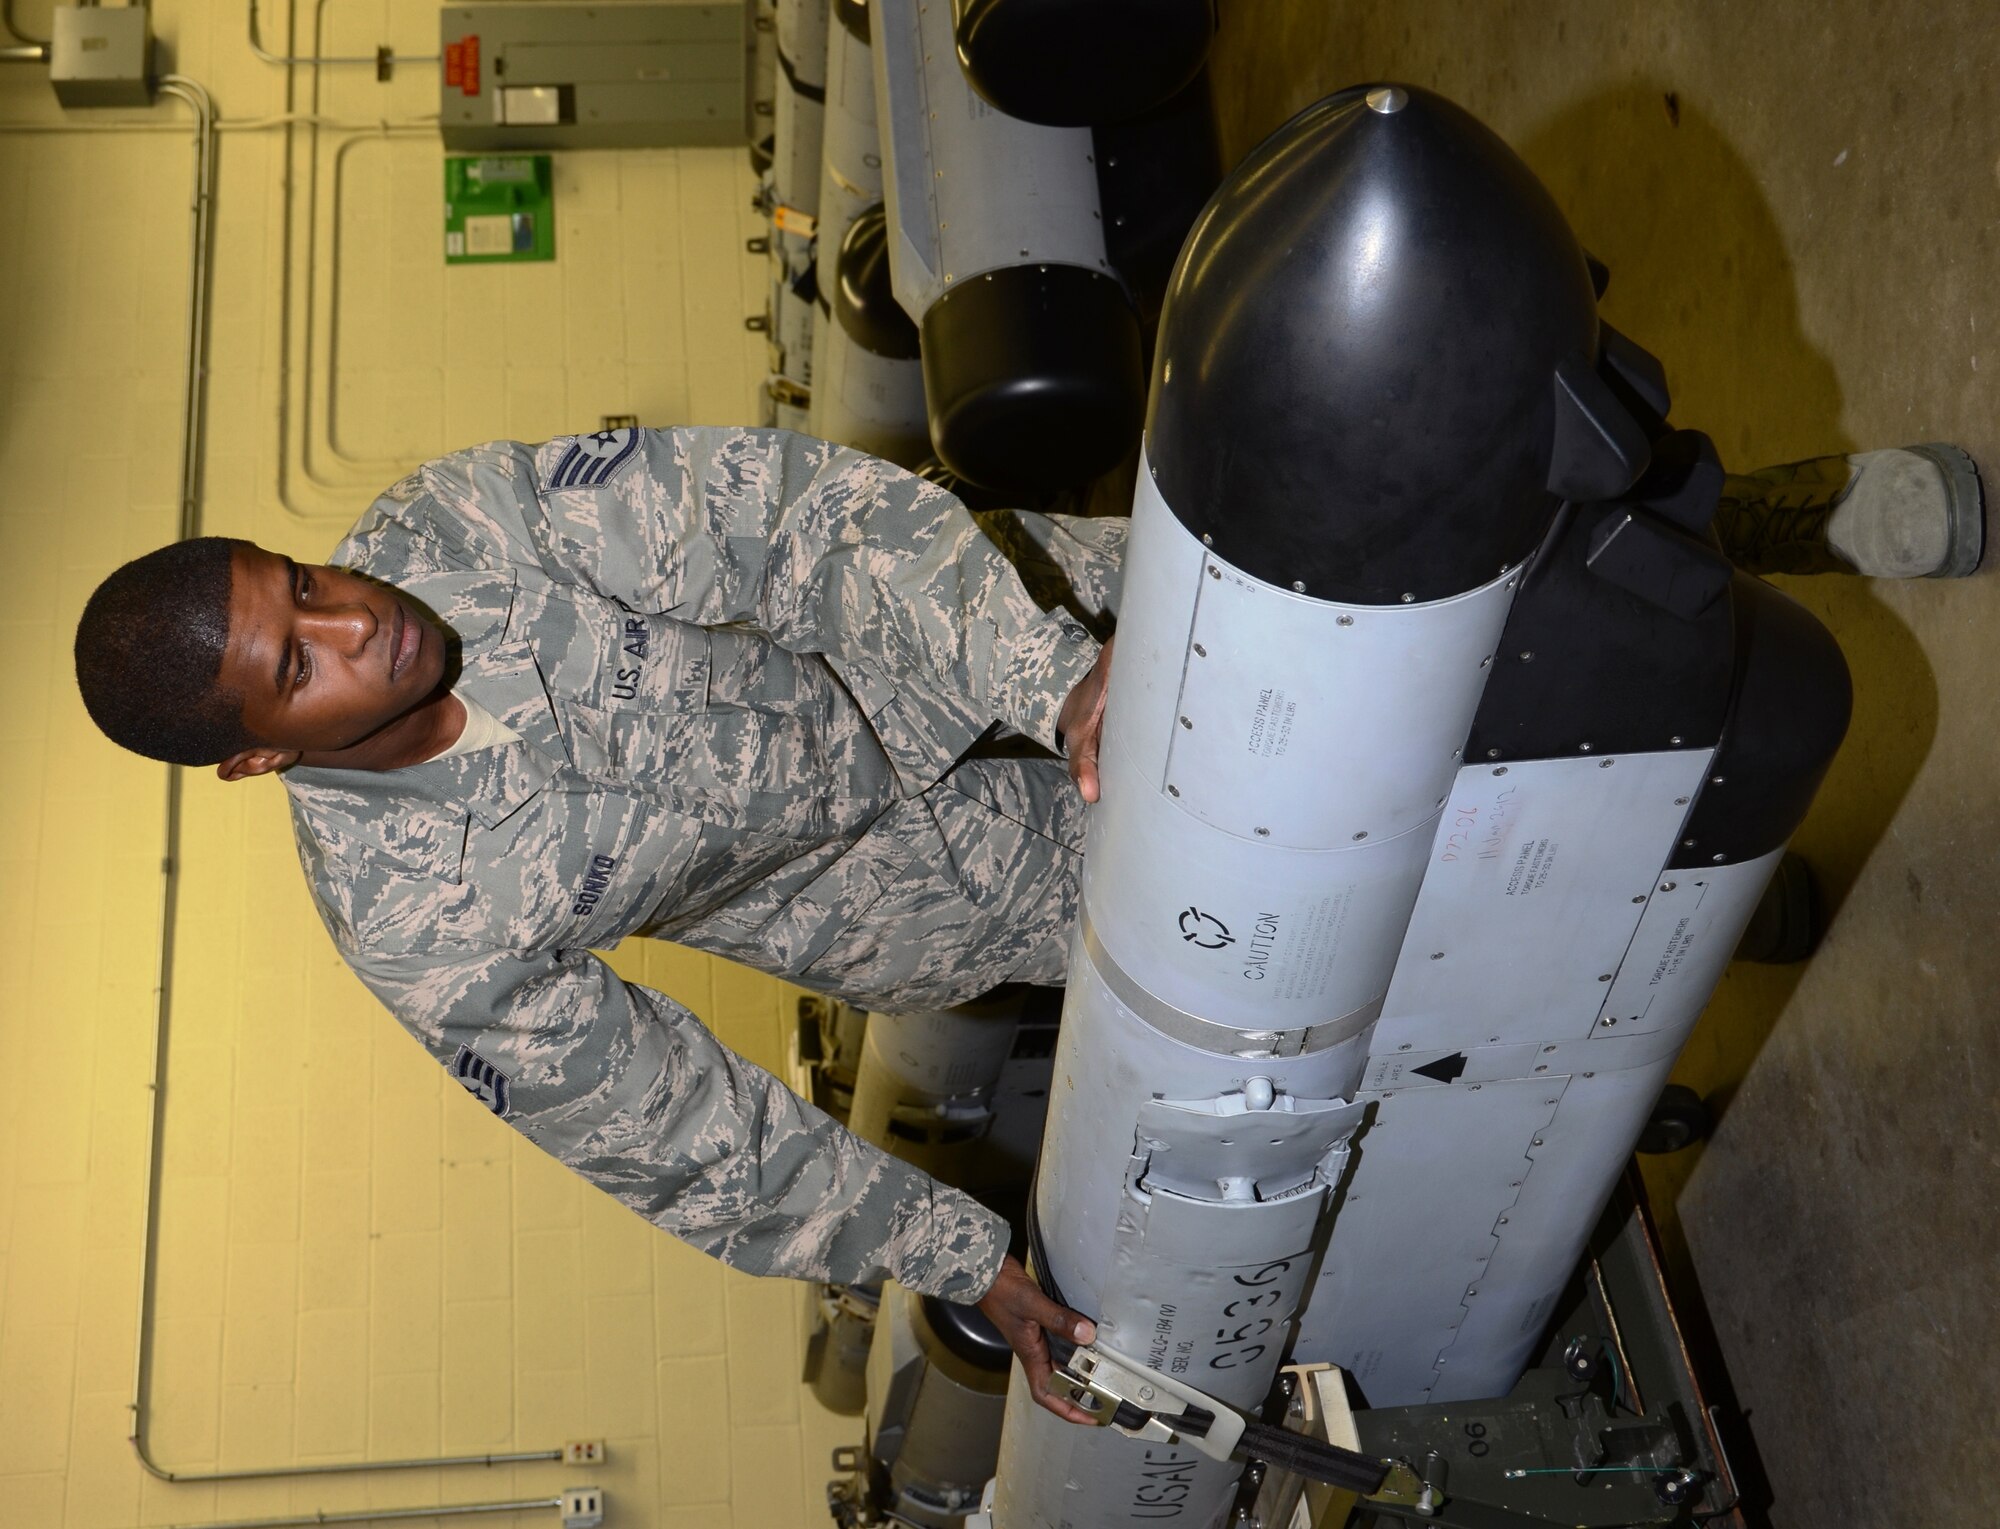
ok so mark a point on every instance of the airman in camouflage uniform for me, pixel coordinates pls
(745, 669)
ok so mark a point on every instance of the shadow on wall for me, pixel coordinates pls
(1700, 275)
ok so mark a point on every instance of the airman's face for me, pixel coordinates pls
(323, 658)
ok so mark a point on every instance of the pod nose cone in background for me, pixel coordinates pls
(864, 297)
(1072, 63)
(1356, 384)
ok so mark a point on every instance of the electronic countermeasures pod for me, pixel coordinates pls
(937, 1379)
(791, 198)
(1032, 365)
(1443, 763)
(868, 386)
(801, 103)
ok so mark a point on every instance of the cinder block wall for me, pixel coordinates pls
(355, 1261)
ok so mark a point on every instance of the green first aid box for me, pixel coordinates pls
(499, 207)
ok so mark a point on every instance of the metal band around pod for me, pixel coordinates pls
(1225, 1040)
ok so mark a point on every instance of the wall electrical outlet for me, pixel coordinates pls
(583, 1452)
(582, 1507)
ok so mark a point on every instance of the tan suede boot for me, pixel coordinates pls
(1906, 512)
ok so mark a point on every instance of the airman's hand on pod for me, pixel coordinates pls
(1016, 1306)
(1082, 721)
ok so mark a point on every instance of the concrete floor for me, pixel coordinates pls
(1800, 206)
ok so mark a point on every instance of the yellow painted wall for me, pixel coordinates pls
(355, 1260)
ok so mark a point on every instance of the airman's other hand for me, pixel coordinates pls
(1082, 721)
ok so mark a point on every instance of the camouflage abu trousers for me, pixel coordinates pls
(991, 893)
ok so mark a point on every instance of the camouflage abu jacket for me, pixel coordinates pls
(740, 663)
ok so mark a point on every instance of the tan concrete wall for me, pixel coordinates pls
(356, 1262)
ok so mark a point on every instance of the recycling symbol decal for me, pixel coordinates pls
(1205, 930)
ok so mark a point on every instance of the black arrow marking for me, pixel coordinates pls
(1444, 1069)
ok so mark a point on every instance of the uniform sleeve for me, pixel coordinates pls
(631, 1091)
(821, 548)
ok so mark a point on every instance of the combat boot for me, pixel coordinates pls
(1902, 513)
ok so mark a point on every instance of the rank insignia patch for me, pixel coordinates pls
(484, 1081)
(592, 460)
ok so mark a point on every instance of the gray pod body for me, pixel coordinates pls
(1415, 860)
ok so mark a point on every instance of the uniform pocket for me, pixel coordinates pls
(830, 906)
(991, 879)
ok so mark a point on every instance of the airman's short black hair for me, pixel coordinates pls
(149, 655)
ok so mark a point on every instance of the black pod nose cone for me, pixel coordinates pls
(1075, 63)
(865, 298)
(1355, 384)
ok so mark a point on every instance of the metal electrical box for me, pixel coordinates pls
(101, 57)
(598, 76)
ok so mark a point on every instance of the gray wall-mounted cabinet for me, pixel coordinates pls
(567, 76)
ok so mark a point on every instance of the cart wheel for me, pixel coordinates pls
(1680, 1119)
(1785, 925)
